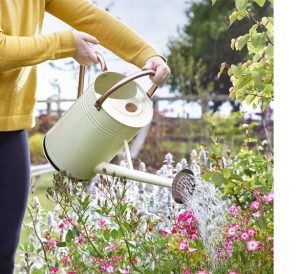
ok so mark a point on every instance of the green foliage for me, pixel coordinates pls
(238, 174)
(123, 232)
(36, 148)
(202, 44)
(252, 80)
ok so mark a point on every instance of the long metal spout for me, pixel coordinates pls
(132, 174)
(182, 186)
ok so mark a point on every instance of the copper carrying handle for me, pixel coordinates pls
(82, 72)
(124, 81)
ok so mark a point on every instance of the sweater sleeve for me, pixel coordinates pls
(112, 33)
(21, 51)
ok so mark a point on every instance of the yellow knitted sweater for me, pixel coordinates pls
(22, 47)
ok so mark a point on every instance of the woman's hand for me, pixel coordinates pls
(85, 54)
(162, 71)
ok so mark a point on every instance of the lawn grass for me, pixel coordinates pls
(40, 191)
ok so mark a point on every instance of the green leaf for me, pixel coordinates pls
(106, 235)
(233, 17)
(226, 173)
(259, 2)
(265, 104)
(244, 81)
(241, 15)
(236, 177)
(38, 271)
(213, 1)
(86, 202)
(262, 223)
(237, 70)
(228, 189)
(270, 52)
(241, 4)
(114, 234)
(69, 236)
(206, 176)
(221, 71)
(249, 99)
(61, 244)
(123, 208)
(127, 226)
(242, 41)
(217, 178)
(258, 40)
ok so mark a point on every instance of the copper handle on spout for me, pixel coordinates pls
(82, 72)
(124, 81)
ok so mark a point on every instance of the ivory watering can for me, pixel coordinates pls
(101, 121)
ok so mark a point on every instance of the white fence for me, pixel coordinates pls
(38, 170)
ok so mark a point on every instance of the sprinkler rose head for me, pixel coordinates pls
(183, 186)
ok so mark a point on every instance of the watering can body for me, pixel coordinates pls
(89, 133)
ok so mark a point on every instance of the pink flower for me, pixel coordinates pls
(173, 230)
(261, 246)
(269, 239)
(102, 222)
(244, 236)
(65, 260)
(252, 245)
(61, 225)
(255, 205)
(117, 257)
(186, 271)
(184, 245)
(257, 215)
(228, 248)
(110, 268)
(164, 232)
(256, 192)
(68, 220)
(202, 271)
(251, 231)
(71, 272)
(111, 248)
(232, 229)
(134, 261)
(95, 260)
(51, 244)
(270, 197)
(80, 240)
(54, 270)
(233, 272)
(105, 260)
(234, 210)
(123, 271)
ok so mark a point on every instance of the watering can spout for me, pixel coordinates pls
(183, 185)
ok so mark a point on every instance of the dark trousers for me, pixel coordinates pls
(14, 188)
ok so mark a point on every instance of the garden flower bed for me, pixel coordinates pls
(111, 225)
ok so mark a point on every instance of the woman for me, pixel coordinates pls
(21, 48)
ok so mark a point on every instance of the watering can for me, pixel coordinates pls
(102, 120)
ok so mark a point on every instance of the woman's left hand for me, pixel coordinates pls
(162, 71)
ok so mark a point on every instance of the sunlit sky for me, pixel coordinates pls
(156, 21)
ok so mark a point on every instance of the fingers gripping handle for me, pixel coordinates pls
(124, 81)
(82, 72)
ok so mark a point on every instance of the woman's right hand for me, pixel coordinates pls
(85, 54)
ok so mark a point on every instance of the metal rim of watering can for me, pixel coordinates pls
(124, 81)
(82, 72)
(181, 185)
